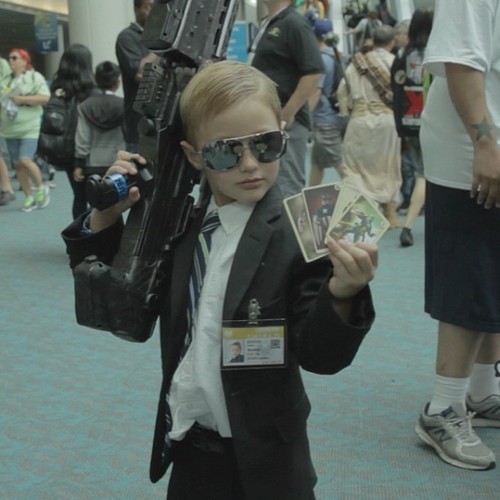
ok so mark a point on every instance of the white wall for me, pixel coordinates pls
(96, 24)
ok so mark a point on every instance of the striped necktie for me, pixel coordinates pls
(200, 258)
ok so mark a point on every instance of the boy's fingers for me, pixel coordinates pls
(362, 256)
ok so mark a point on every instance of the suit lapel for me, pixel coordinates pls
(251, 249)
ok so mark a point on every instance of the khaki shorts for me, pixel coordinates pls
(327, 144)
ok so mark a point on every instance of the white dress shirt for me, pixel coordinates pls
(196, 393)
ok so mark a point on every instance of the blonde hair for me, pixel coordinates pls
(218, 86)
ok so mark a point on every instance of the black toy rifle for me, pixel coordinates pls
(125, 298)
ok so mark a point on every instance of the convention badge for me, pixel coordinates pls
(320, 204)
(362, 222)
(301, 225)
(253, 343)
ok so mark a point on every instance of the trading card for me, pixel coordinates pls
(297, 213)
(362, 222)
(347, 197)
(320, 204)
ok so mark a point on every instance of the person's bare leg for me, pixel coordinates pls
(489, 353)
(416, 202)
(457, 350)
(315, 176)
(4, 177)
(28, 170)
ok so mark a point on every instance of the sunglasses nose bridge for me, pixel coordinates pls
(247, 156)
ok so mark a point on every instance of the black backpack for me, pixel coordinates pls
(56, 143)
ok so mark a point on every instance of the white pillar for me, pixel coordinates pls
(336, 15)
(52, 58)
(404, 9)
(96, 24)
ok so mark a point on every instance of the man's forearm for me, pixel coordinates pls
(466, 87)
(305, 89)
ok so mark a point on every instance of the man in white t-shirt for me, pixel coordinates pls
(460, 144)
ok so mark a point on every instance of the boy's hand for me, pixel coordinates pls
(124, 164)
(354, 267)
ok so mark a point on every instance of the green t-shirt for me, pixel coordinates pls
(4, 68)
(26, 125)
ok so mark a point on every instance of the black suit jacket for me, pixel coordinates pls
(267, 408)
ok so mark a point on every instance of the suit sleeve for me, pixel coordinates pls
(104, 244)
(322, 341)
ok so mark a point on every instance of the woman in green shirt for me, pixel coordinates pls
(23, 93)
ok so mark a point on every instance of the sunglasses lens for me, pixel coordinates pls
(268, 147)
(221, 155)
(226, 154)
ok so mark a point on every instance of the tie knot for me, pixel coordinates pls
(210, 223)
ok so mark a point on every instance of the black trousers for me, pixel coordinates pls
(204, 468)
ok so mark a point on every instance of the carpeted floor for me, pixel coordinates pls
(77, 406)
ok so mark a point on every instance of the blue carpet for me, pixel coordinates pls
(77, 406)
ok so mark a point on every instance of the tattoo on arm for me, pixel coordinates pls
(484, 129)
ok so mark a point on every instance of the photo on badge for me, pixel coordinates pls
(362, 222)
(320, 204)
(296, 210)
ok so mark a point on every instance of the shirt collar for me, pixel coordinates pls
(233, 215)
(137, 26)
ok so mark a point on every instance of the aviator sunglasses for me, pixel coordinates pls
(225, 154)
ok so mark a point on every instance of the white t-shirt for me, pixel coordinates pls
(464, 32)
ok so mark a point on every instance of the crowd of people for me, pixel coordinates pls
(24, 92)
(102, 124)
(233, 433)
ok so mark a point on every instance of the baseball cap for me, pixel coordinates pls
(322, 27)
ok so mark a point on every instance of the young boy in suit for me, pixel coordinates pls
(239, 432)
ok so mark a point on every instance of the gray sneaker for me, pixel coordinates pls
(454, 439)
(486, 412)
(6, 197)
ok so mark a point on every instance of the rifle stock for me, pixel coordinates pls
(126, 297)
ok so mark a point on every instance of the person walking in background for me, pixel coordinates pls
(312, 9)
(132, 55)
(23, 93)
(372, 148)
(364, 31)
(230, 432)
(74, 78)
(407, 173)
(7, 192)
(328, 125)
(401, 36)
(286, 50)
(407, 80)
(460, 146)
(99, 133)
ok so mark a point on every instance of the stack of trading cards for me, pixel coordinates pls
(333, 211)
